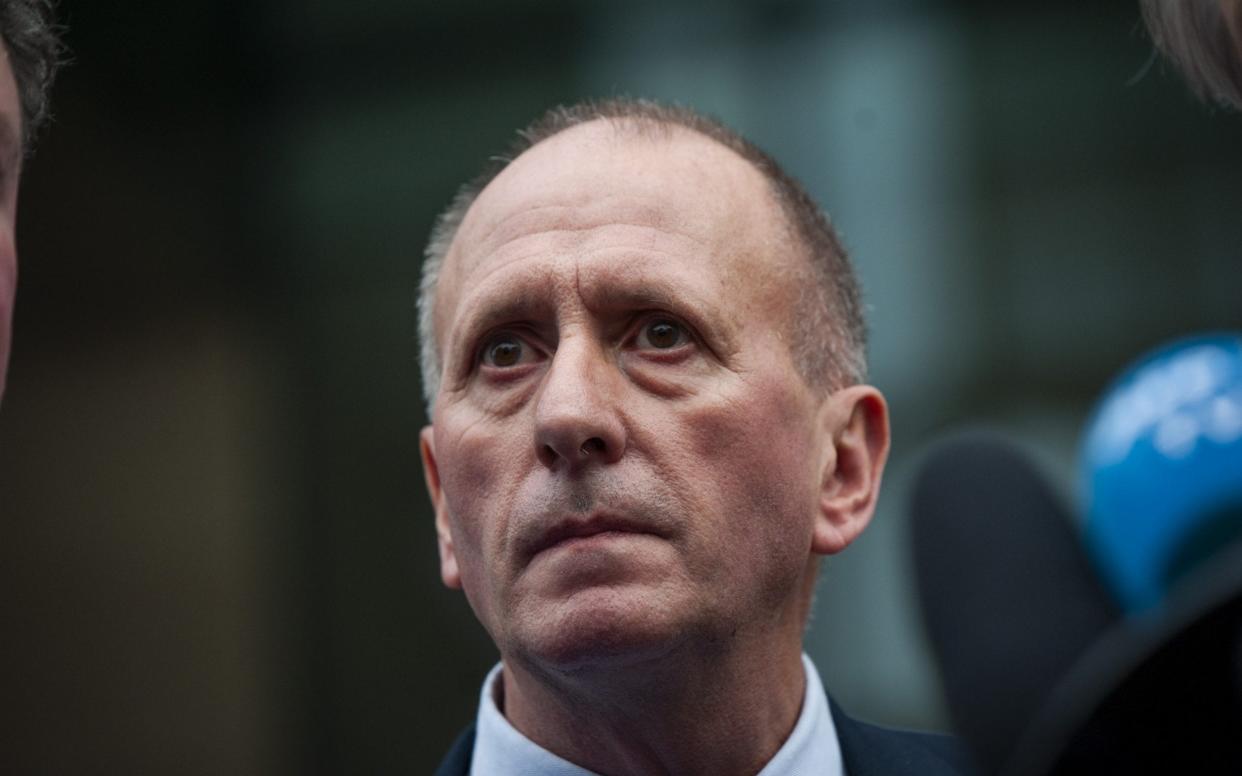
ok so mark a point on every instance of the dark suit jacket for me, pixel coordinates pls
(866, 750)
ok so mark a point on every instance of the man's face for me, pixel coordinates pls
(10, 169)
(623, 455)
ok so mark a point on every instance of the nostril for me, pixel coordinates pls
(592, 446)
(548, 454)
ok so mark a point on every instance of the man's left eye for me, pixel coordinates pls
(662, 334)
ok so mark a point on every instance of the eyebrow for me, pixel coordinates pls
(642, 295)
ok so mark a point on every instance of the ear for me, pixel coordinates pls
(449, 572)
(854, 421)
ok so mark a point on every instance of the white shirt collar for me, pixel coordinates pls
(500, 750)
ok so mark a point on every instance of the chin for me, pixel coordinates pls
(600, 628)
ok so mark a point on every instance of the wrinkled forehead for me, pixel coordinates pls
(667, 179)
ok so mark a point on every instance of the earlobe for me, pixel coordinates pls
(855, 424)
(449, 573)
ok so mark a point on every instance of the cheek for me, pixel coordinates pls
(480, 468)
(756, 458)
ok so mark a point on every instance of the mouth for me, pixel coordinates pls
(601, 527)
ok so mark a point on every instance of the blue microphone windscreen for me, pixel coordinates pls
(1161, 467)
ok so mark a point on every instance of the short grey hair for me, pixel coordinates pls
(33, 44)
(1196, 36)
(829, 334)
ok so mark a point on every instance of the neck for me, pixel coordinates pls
(717, 710)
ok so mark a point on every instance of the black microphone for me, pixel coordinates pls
(1009, 599)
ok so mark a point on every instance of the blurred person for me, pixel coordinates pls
(643, 359)
(1203, 38)
(31, 55)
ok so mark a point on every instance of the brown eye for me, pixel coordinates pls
(662, 334)
(504, 352)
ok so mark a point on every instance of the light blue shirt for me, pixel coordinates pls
(500, 750)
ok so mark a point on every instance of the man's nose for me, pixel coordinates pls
(577, 418)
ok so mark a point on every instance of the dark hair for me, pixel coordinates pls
(829, 336)
(1196, 36)
(33, 44)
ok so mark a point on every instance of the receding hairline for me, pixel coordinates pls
(621, 130)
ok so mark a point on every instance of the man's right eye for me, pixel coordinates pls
(505, 351)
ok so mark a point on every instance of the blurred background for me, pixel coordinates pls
(216, 554)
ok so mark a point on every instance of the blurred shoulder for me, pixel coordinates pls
(457, 761)
(873, 750)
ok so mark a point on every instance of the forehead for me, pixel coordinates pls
(674, 191)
